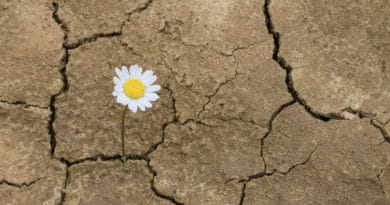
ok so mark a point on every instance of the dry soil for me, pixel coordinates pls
(262, 102)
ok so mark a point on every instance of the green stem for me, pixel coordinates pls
(123, 135)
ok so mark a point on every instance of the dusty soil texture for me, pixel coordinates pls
(262, 102)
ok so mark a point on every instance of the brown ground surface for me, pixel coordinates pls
(263, 102)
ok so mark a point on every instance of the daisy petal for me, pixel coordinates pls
(117, 81)
(120, 102)
(133, 70)
(151, 96)
(119, 73)
(115, 93)
(138, 72)
(118, 88)
(153, 88)
(122, 99)
(125, 73)
(140, 105)
(132, 106)
(147, 104)
(150, 80)
(147, 74)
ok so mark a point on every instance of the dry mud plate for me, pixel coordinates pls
(262, 102)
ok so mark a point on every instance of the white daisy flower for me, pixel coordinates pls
(134, 88)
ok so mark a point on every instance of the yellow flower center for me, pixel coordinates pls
(134, 88)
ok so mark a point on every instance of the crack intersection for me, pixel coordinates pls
(298, 164)
(209, 97)
(270, 122)
(91, 39)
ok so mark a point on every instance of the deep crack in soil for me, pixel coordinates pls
(290, 83)
(283, 63)
(63, 63)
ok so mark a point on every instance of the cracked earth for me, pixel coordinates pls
(262, 102)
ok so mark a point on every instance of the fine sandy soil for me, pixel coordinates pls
(262, 102)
